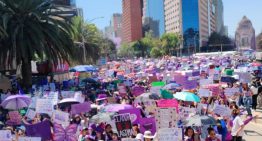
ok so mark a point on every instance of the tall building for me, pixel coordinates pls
(153, 17)
(131, 20)
(219, 15)
(194, 19)
(116, 22)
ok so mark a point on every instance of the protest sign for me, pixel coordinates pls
(204, 92)
(44, 106)
(29, 139)
(203, 82)
(150, 106)
(30, 114)
(231, 91)
(147, 124)
(123, 125)
(67, 94)
(79, 97)
(222, 110)
(41, 129)
(52, 96)
(169, 134)
(166, 118)
(5, 135)
(61, 117)
(15, 117)
(135, 114)
(227, 79)
(138, 90)
(80, 108)
(167, 103)
(185, 112)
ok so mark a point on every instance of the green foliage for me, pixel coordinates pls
(126, 50)
(156, 52)
(34, 29)
(170, 42)
(216, 38)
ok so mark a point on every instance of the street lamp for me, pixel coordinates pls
(89, 21)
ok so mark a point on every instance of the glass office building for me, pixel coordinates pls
(190, 25)
(153, 17)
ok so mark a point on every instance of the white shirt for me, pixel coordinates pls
(237, 123)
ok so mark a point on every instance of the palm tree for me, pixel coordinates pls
(34, 30)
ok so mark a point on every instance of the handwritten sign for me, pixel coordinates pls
(185, 112)
(44, 106)
(52, 96)
(80, 108)
(29, 139)
(67, 94)
(204, 92)
(123, 125)
(203, 82)
(222, 110)
(5, 135)
(169, 134)
(30, 114)
(166, 118)
(61, 118)
(231, 91)
(15, 116)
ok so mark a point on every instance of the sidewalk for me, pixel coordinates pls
(253, 130)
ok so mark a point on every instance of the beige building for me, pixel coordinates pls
(195, 19)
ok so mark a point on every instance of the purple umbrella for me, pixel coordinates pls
(15, 102)
(116, 107)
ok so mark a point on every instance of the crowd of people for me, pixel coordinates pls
(231, 83)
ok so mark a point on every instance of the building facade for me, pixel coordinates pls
(153, 17)
(219, 15)
(195, 20)
(131, 20)
(245, 35)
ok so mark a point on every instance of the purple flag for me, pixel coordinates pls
(135, 114)
(147, 124)
(79, 108)
(41, 129)
(138, 90)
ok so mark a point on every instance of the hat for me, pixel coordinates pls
(21, 128)
(101, 97)
(148, 135)
(140, 136)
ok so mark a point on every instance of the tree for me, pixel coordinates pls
(215, 40)
(170, 42)
(126, 50)
(156, 52)
(33, 29)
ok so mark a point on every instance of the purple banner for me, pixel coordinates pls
(41, 129)
(147, 124)
(135, 114)
(80, 108)
(138, 90)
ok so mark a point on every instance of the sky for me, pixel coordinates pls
(234, 10)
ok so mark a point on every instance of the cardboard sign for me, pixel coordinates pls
(123, 125)
(169, 134)
(203, 82)
(5, 135)
(15, 117)
(135, 114)
(204, 92)
(29, 139)
(222, 110)
(231, 91)
(61, 117)
(166, 118)
(147, 124)
(67, 94)
(30, 114)
(80, 108)
(79, 97)
(44, 106)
